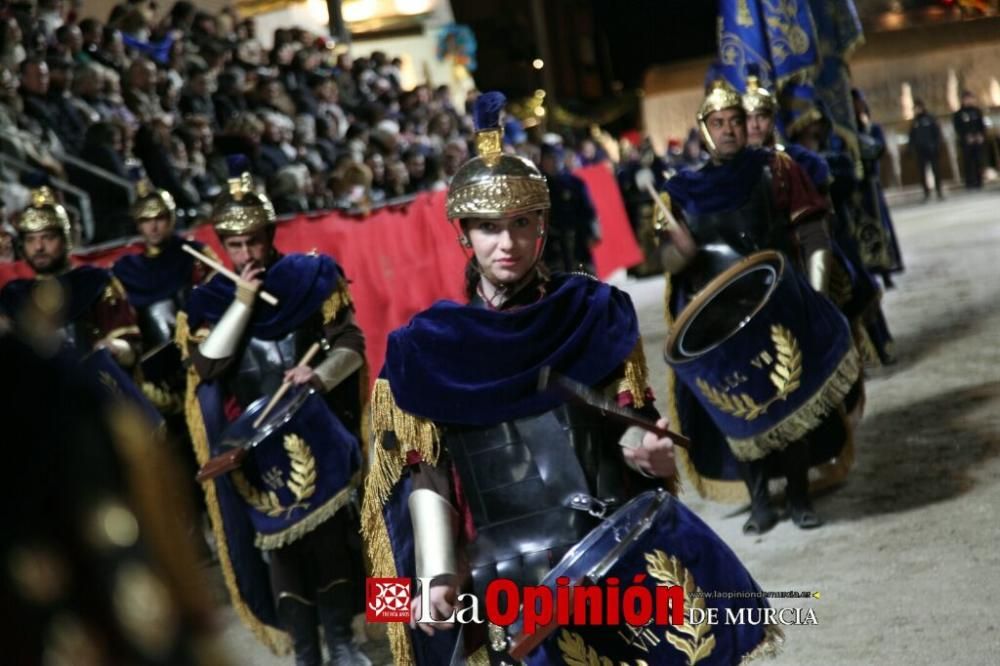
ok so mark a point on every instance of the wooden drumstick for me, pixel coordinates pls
(667, 215)
(218, 267)
(285, 385)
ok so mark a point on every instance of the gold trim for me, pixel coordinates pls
(310, 522)
(339, 299)
(696, 641)
(499, 196)
(807, 417)
(276, 640)
(786, 378)
(478, 658)
(635, 378)
(412, 434)
(769, 646)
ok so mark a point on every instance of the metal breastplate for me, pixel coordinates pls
(262, 367)
(157, 322)
(725, 237)
(530, 485)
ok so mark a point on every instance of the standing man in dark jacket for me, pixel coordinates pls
(925, 142)
(971, 133)
(574, 227)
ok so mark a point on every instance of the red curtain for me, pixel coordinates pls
(401, 260)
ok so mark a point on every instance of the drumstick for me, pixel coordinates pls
(216, 266)
(667, 215)
(285, 385)
(583, 394)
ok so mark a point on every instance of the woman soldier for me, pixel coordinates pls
(476, 475)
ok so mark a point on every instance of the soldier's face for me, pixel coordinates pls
(45, 251)
(728, 129)
(248, 248)
(506, 248)
(155, 230)
(759, 128)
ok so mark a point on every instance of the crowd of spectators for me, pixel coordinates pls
(169, 95)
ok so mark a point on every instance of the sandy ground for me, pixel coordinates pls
(907, 565)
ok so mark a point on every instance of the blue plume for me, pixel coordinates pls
(486, 111)
(238, 165)
(753, 69)
(136, 173)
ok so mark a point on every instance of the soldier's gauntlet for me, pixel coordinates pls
(224, 338)
(434, 521)
(820, 262)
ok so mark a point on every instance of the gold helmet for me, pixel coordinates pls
(493, 184)
(758, 99)
(720, 96)
(241, 209)
(151, 203)
(44, 212)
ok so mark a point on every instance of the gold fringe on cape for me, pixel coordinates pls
(412, 434)
(635, 378)
(793, 427)
(310, 522)
(338, 300)
(276, 640)
(768, 647)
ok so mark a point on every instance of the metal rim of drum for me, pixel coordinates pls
(774, 260)
(649, 504)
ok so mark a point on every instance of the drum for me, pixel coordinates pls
(303, 466)
(117, 385)
(658, 538)
(766, 355)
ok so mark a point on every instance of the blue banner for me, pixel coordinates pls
(839, 30)
(774, 39)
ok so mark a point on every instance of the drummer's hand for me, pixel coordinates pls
(300, 374)
(246, 291)
(443, 598)
(656, 455)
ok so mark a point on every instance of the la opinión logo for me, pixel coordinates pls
(388, 600)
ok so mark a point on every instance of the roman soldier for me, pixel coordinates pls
(285, 521)
(743, 201)
(89, 302)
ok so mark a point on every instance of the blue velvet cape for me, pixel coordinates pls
(300, 282)
(148, 280)
(719, 187)
(458, 364)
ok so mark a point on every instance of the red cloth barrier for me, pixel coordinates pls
(400, 260)
(618, 247)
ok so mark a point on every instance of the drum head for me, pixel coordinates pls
(605, 544)
(724, 306)
(242, 433)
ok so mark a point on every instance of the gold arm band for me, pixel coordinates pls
(433, 533)
(338, 365)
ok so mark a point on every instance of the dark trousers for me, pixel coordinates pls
(972, 165)
(933, 161)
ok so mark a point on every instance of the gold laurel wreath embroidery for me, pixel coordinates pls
(302, 477)
(301, 482)
(576, 652)
(697, 641)
(786, 377)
